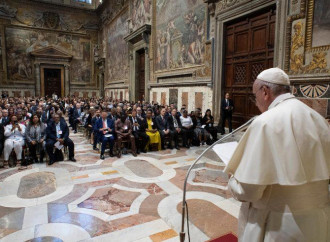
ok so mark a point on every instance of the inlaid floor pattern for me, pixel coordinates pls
(126, 199)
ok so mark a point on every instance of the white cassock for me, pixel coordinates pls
(281, 173)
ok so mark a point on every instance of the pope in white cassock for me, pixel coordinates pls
(280, 169)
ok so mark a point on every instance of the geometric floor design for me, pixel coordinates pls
(126, 199)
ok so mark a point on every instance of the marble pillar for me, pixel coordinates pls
(38, 81)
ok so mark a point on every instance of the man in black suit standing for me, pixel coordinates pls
(175, 126)
(227, 107)
(58, 131)
(164, 128)
(139, 131)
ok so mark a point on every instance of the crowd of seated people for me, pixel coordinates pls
(38, 124)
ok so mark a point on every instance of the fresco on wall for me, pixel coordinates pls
(81, 63)
(141, 13)
(117, 55)
(321, 23)
(21, 42)
(180, 33)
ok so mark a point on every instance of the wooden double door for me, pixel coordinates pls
(249, 49)
(53, 82)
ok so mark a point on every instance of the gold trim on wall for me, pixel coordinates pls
(309, 30)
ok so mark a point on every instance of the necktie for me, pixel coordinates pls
(104, 131)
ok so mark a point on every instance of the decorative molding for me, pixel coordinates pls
(314, 91)
(224, 5)
(51, 52)
(309, 30)
(141, 33)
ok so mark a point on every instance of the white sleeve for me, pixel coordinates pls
(8, 130)
(245, 192)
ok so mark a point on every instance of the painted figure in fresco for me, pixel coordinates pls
(39, 43)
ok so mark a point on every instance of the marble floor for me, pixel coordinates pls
(126, 199)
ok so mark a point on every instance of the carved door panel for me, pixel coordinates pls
(52, 82)
(141, 75)
(249, 49)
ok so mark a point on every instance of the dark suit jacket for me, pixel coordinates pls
(94, 121)
(44, 118)
(224, 105)
(4, 121)
(171, 122)
(2, 136)
(142, 123)
(76, 113)
(162, 124)
(51, 134)
(154, 125)
(110, 123)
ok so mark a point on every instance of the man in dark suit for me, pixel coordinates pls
(76, 117)
(70, 114)
(175, 126)
(227, 107)
(164, 129)
(106, 128)
(4, 120)
(94, 128)
(47, 114)
(140, 114)
(139, 131)
(58, 131)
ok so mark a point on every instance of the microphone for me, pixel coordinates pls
(242, 127)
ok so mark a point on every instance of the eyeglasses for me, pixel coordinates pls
(254, 97)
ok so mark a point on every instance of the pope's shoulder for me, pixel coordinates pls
(292, 109)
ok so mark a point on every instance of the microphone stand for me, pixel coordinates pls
(242, 127)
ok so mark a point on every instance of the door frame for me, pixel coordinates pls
(222, 19)
(137, 73)
(43, 67)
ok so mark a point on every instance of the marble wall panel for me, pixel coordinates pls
(185, 98)
(174, 96)
(163, 98)
(198, 99)
(154, 96)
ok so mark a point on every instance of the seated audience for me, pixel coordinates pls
(164, 129)
(124, 132)
(35, 136)
(200, 134)
(151, 130)
(175, 126)
(96, 117)
(58, 131)
(139, 132)
(208, 121)
(106, 128)
(187, 129)
(14, 133)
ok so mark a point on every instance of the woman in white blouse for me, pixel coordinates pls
(14, 133)
(187, 129)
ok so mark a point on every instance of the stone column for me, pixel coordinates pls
(101, 79)
(66, 80)
(38, 80)
(147, 75)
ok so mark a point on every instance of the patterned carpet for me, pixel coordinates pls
(126, 199)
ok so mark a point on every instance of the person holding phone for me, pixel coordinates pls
(14, 133)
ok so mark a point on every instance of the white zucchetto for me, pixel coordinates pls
(275, 76)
